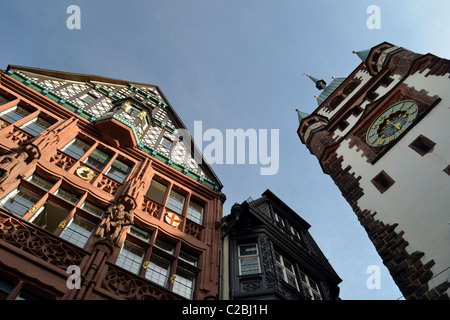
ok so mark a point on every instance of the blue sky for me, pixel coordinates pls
(238, 64)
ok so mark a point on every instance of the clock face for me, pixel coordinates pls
(391, 123)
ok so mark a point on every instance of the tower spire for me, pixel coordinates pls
(362, 54)
(320, 84)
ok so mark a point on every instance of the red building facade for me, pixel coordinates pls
(100, 196)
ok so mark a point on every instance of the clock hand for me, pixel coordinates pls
(396, 125)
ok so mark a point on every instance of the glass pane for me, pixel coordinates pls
(189, 258)
(62, 193)
(97, 159)
(163, 245)
(78, 231)
(291, 280)
(118, 171)
(76, 148)
(175, 202)
(158, 271)
(248, 250)
(130, 257)
(156, 192)
(142, 234)
(195, 212)
(20, 201)
(249, 266)
(184, 284)
(50, 217)
(36, 126)
(5, 288)
(26, 295)
(3, 100)
(288, 265)
(41, 182)
(92, 208)
(15, 114)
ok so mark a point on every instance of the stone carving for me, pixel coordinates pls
(116, 217)
(48, 140)
(47, 247)
(14, 165)
(131, 287)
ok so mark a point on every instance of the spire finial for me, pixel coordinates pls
(320, 84)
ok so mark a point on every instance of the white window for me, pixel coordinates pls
(130, 257)
(184, 283)
(97, 159)
(19, 201)
(92, 208)
(285, 270)
(76, 148)
(35, 126)
(158, 270)
(89, 98)
(118, 171)
(311, 286)
(248, 257)
(14, 114)
(166, 143)
(41, 182)
(279, 219)
(78, 231)
(175, 202)
(195, 212)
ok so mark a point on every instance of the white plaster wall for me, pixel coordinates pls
(419, 200)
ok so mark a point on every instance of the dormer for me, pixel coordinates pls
(125, 123)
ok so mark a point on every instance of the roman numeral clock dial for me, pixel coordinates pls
(391, 123)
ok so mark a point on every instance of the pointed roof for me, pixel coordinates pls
(329, 90)
(301, 115)
(362, 54)
(320, 84)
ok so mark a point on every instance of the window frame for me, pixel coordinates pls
(285, 270)
(248, 257)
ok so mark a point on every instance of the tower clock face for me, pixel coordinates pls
(391, 123)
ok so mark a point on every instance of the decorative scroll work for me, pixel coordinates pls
(194, 229)
(131, 287)
(46, 247)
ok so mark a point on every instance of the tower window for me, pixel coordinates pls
(382, 181)
(422, 145)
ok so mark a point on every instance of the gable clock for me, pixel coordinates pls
(391, 123)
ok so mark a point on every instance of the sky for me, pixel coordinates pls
(239, 65)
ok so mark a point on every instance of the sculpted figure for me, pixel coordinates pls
(112, 224)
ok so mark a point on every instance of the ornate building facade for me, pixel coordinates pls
(100, 194)
(269, 254)
(382, 135)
